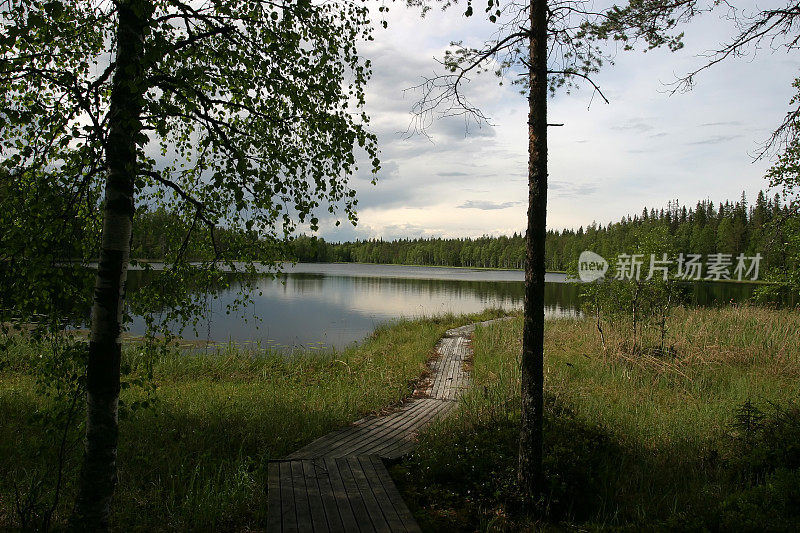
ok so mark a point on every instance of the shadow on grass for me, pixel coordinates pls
(463, 478)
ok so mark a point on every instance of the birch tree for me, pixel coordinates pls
(244, 115)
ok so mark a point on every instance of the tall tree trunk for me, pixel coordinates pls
(530, 445)
(99, 473)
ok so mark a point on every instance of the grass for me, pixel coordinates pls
(705, 438)
(196, 459)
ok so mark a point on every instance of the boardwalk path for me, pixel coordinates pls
(339, 481)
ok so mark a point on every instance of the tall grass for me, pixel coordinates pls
(630, 441)
(197, 458)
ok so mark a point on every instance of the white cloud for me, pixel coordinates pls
(645, 148)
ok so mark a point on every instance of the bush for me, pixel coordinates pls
(765, 441)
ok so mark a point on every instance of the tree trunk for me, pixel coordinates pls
(98, 473)
(530, 446)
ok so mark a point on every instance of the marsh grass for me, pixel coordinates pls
(196, 458)
(631, 442)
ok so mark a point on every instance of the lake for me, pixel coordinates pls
(320, 305)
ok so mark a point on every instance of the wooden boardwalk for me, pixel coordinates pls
(340, 483)
(335, 494)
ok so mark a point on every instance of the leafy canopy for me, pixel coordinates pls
(253, 118)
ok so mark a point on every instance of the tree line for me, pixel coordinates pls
(730, 227)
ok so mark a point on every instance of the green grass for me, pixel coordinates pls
(631, 442)
(197, 459)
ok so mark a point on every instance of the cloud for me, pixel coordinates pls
(638, 125)
(645, 148)
(728, 123)
(460, 127)
(717, 139)
(561, 188)
(486, 205)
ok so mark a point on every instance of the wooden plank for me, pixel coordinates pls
(425, 417)
(312, 449)
(360, 479)
(390, 489)
(341, 500)
(353, 496)
(288, 514)
(340, 483)
(400, 429)
(326, 493)
(390, 450)
(273, 497)
(321, 446)
(451, 374)
(316, 447)
(356, 437)
(319, 522)
(370, 470)
(395, 424)
(301, 504)
(351, 439)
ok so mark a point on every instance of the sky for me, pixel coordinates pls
(645, 148)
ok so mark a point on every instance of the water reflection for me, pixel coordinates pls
(320, 305)
(327, 307)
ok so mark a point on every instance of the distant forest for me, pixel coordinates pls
(708, 227)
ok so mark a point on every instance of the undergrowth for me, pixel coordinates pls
(705, 438)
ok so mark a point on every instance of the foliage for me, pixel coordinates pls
(776, 26)
(246, 116)
(197, 459)
(472, 463)
(246, 130)
(37, 212)
(58, 363)
(632, 444)
(785, 175)
(766, 441)
(637, 304)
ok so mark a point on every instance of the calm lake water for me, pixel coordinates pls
(334, 305)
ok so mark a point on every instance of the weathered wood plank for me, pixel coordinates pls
(401, 425)
(288, 514)
(274, 497)
(339, 482)
(375, 486)
(301, 503)
(326, 494)
(387, 448)
(353, 495)
(394, 497)
(368, 497)
(319, 520)
(405, 431)
(341, 499)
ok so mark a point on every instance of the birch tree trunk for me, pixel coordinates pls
(99, 473)
(530, 449)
